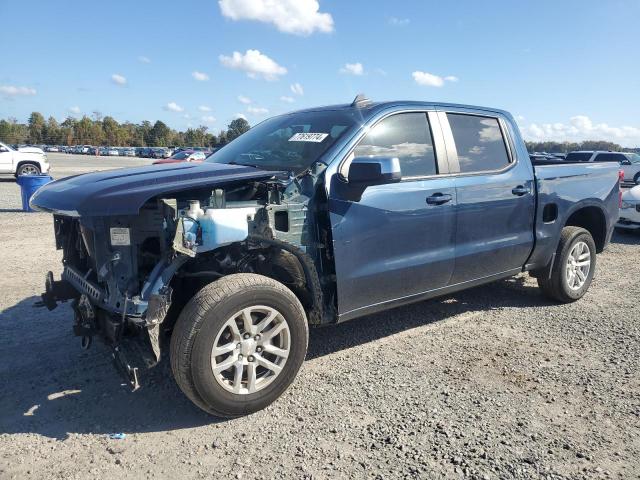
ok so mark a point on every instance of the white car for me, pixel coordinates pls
(630, 209)
(629, 161)
(24, 161)
(113, 152)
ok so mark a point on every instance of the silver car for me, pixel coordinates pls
(630, 210)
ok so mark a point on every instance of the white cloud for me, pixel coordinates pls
(75, 110)
(255, 64)
(286, 99)
(118, 79)
(186, 116)
(13, 91)
(430, 80)
(208, 118)
(297, 89)
(199, 76)
(352, 69)
(173, 107)
(257, 110)
(581, 128)
(240, 115)
(300, 17)
(243, 99)
(204, 108)
(398, 22)
(143, 59)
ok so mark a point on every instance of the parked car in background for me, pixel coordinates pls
(92, 151)
(310, 218)
(629, 161)
(26, 161)
(630, 209)
(113, 152)
(128, 152)
(183, 156)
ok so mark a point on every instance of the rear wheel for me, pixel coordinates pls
(28, 169)
(573, 268)
(238, 344)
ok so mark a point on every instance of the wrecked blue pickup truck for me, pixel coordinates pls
(312, 218)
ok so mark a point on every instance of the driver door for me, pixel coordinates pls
(394, 243)
(6, 159)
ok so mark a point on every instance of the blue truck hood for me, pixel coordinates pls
(124, 191)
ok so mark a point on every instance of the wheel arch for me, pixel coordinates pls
(592, 218)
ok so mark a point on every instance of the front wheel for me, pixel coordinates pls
(574, 266)
(238, 344)
(28, 169)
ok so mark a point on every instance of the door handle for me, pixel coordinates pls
(439, 199)
(520, 190)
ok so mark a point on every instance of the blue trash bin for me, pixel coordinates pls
(28, 186)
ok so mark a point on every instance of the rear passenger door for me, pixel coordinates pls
(495, 196)
(395, 241)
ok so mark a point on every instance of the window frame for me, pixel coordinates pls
(434, 129)
(452, 151)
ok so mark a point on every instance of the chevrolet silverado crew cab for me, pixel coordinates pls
(312, 218)
(24, 161)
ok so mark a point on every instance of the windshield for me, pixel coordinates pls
(181, 155)
(633, 157)
(291, 142)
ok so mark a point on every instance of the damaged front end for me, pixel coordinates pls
(128, 276)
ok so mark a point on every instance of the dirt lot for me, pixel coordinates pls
(495, 382)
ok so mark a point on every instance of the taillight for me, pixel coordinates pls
(620, 180)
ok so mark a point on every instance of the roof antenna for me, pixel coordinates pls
(361, 101)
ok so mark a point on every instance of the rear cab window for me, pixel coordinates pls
(479, 142)
(578, 157)
(403, 135)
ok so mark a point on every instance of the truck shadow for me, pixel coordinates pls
(53, 388)
(626, 237)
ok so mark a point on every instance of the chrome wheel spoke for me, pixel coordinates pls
(247, 320)
(266, 321)
(578, 265)
(274, 331)
(251, 377)
(225, 365)
(269, 365)
(237, 378)
(269, 348)
(229, 347)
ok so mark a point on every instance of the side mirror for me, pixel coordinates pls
(625, 162)
(367, 171)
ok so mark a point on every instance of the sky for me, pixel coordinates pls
(566, 69)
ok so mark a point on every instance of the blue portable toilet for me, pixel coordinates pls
(28, 186)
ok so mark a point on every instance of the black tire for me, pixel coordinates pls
(28, 166)
(203, 318)
(556, 286)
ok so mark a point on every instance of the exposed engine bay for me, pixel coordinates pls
(128, 277)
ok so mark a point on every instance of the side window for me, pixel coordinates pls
(610, 157)
(479, 142)
(406, 136)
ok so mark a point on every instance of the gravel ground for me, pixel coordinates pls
(494, 382)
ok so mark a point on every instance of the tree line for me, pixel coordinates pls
(98, 130)
(566, 147)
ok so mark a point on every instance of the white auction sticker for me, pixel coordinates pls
(309, 137)
(120, 237)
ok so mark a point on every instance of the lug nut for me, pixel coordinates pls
(239, 356)
(238, 345)
(246, 336)
(258, 349)
(250, 358)
(257, 337)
